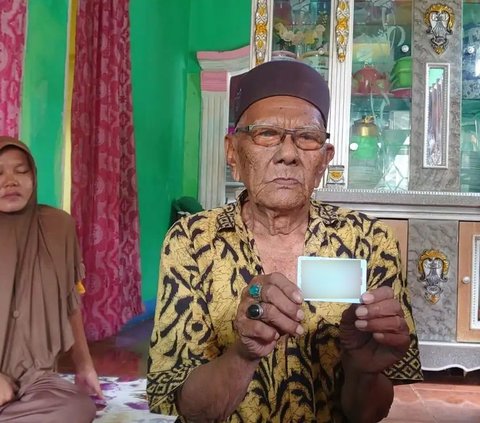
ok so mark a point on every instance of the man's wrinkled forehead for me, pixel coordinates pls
(282, 78)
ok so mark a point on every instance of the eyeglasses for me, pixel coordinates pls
(306, 138)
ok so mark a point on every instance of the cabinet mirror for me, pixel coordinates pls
(437, 96)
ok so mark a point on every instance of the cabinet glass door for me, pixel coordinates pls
(381, 95)
(470, 133)
(301, 30)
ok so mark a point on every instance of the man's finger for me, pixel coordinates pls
(274, 295)
(390, 307)
(392, 324)
(274, 317)
(377, 295)
(290, 290)
(258, 330)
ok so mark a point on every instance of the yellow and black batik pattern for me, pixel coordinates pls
(208, 259)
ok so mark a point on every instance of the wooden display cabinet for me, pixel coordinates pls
(468, 310)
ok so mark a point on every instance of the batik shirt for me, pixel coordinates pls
(209, 258)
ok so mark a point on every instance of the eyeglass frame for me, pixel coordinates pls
(285, 131)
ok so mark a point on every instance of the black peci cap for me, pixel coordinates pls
(282, 77)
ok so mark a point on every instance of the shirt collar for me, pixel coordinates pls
(319, 213)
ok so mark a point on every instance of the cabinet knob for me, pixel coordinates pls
(470, 49)
(466, 279)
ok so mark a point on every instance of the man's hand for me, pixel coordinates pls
(8, 389)
(374, 335)
(87, 380)
(281, 302)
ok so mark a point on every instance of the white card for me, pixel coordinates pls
(335, 280)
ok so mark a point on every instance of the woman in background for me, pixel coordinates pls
(40, 316)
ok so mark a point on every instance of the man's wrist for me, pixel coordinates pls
(240, 353)
(356, 376)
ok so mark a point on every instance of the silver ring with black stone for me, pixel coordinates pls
(255, 311)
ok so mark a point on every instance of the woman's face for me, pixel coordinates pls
(284, 176)
(16, 180)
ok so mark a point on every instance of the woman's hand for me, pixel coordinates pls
(280, 302)
(8, 389)
(374, 335)
(87, 380)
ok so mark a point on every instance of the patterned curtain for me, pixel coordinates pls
(104, 191)
(12, 42)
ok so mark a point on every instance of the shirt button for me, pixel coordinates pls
(15, 314)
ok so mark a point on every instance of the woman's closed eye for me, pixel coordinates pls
(22, 170)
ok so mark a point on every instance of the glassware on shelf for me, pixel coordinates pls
(282, 26)
(318, 60)
(364, 170)
(380, 105)
(369, 80)
(401, 77)
(282, 12)
(395, 157)
(283, 55)
(298, 27)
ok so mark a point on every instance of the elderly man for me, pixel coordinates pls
(233, 338)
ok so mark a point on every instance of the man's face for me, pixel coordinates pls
(284, 176)
(16, 180)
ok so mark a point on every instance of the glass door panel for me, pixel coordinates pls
(470, 133)
(381, 95)
(301, 30)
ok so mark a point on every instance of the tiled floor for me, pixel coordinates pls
(444, 397)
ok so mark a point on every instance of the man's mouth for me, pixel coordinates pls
(286, 181)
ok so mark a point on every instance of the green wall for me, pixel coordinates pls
(159, 39)
(218, 25)
(41, 124)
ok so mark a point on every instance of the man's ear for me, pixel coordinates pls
(231, 155)
(327, 158)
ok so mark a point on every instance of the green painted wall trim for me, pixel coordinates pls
(41, 124)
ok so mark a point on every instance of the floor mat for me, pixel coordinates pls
(125, 402)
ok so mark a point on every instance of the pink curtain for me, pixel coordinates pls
(12, 42)
(104, 191)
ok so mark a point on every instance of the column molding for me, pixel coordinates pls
(340, 83)
(217, 68)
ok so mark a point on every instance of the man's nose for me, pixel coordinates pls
(287, 151)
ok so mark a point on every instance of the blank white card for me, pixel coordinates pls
(336, 280)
